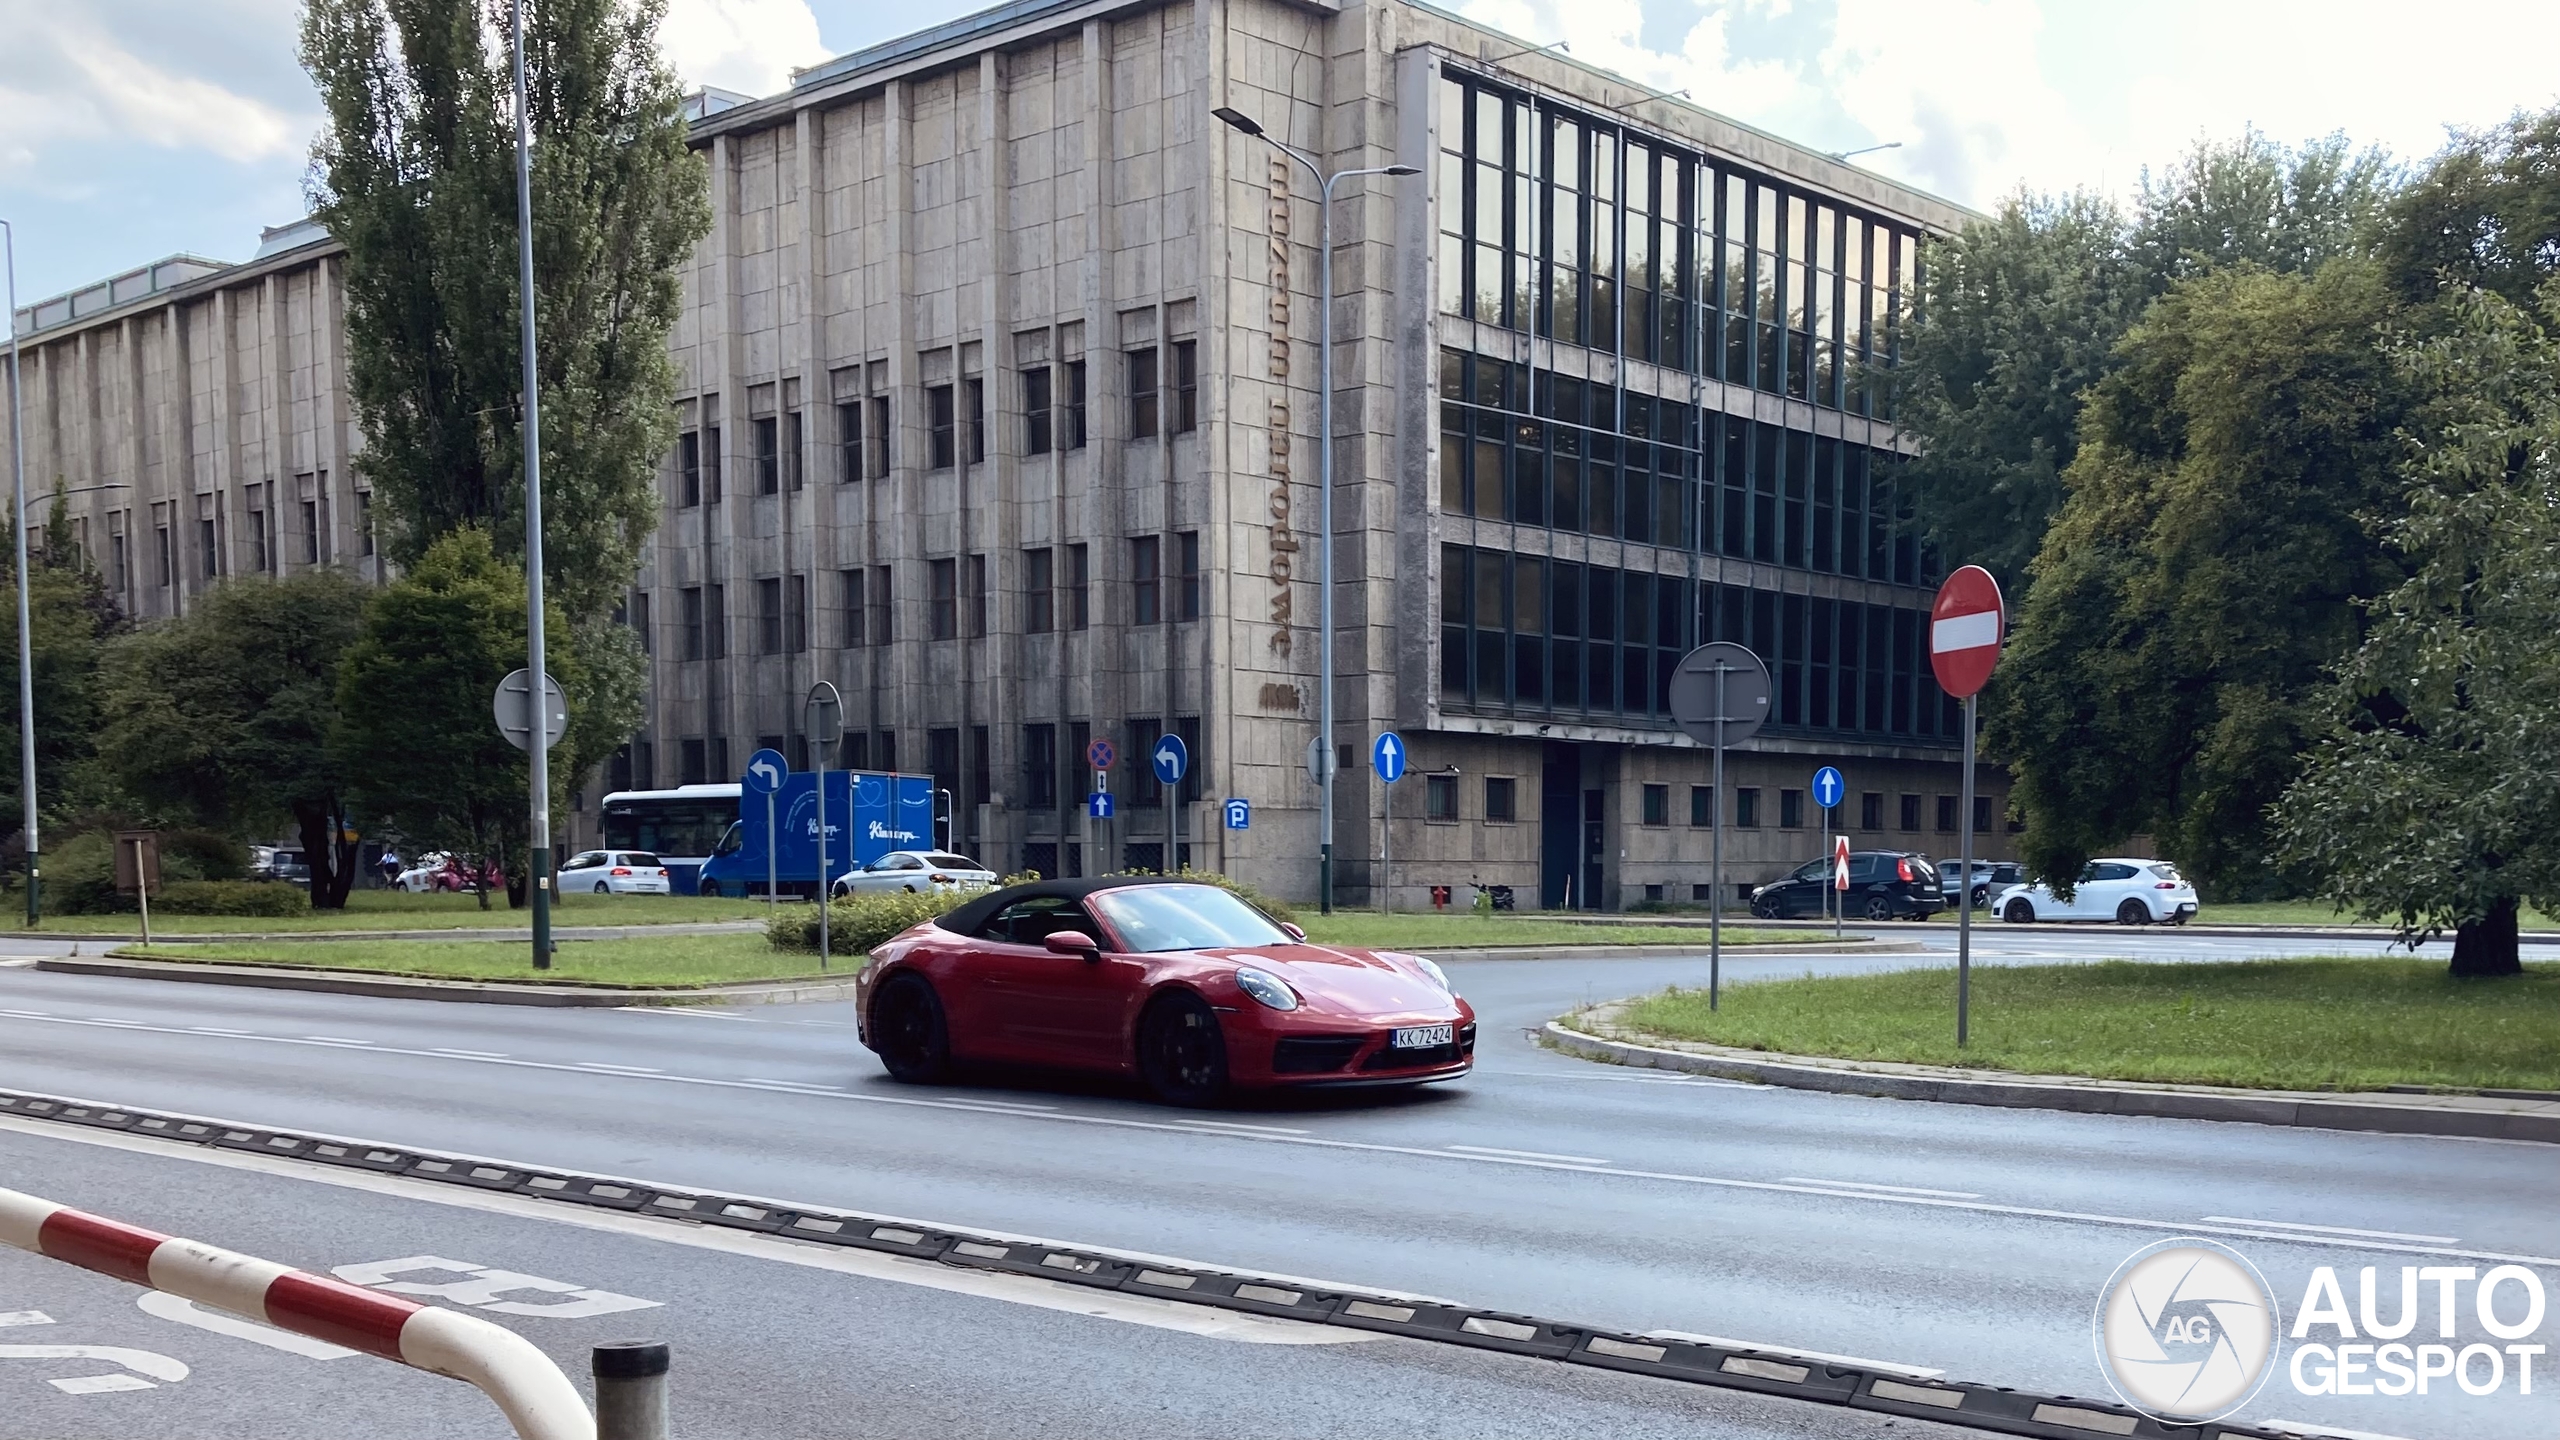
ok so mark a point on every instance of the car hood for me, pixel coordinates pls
(1351, 983)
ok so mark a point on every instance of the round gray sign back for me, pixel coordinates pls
(1726, 672)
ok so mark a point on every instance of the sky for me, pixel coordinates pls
(135, 129)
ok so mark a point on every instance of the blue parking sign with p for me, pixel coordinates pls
(1829, 788)
(1239, 813)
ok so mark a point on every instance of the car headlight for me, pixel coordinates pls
(1438, 976)
(1266, 987)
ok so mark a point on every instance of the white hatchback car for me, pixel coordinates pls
(2129, 892)
(914, 871)
(615, 872)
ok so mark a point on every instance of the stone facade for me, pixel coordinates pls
(1000, 409)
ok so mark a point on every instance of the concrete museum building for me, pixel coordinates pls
(999, 409)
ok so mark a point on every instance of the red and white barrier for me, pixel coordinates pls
(538, 1400)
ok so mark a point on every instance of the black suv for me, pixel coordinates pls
(1883, 885)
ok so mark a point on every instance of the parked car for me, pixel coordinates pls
(615, 872)
(914, 872)
(1883, 885)
(1181, 985)
(438, 870)
(2127, 891)
(1990, 877)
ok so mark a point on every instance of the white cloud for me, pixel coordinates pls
(747, 45)
(63, 78)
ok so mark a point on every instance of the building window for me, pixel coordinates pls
(640, 625)
(850, 593)
(1040, 767)
(208, 548)
(310, 532)
(849, 466)
(1079, 736)
(715, 641)
(1871, 811)
(981, 761)
(1440, 797)
(1946, 814)
(1039, 593)
(1790, 809)
(878, 436)
(1702, 806)
(943, 424)
(795, 613)
(1143, 399)
(1071, 410)
(693, 766)
(1186, 386)
(261, 554)
(1037, 423)
(710, 464)
(1910, 812)
(689, 469)
(1186, 598)
(1746, 807)
(882, 617)
(1146, 591)
(167, 552)
(1657, 805)
(689, 621)
(765, 435)
(794, 442)
(1981, 814)
(975, 612)
(974, 395)
(769, 617)
(1079, 587)
(942, 593)
(1501, 799)
(364, 523)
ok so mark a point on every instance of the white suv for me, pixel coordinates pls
(2129, 892)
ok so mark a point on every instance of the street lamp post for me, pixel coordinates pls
(538, 752)
(1324, 452)
(26, 642)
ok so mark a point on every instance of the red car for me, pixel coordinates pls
(1181, 984)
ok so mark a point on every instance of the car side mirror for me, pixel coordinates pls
(1294, 932)
(1072, 942)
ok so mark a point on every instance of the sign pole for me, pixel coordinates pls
(826, 890)
(1826, 848)
(772, 859)
(1715, 865)
(1966, 625)
(1172, 818)
(1386, 848)
(1964, 888)
(142, 890)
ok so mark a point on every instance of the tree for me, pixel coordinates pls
(224, 716)
(418, 744)
(2434, 795)
(2485, 215)
(71, 614)
(414, 175)
(2203, 573)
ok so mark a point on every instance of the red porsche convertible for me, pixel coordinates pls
(1179, 983)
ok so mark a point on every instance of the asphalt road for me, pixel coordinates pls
(1965, 1239)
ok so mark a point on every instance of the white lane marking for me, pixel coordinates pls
(617, 1069)
(149, 1362)
(336, 1040)
(796, 1084)
(125, 1024)
(1029, 1290)
(30, 1014)
(214, 1030)
(2339, 1230)
(184, 1311)
(2311, 1431)
(99, 1384)
(1529, 1155)
(977, 1103)
(470, 1054)
(679, 1010)
(1888, 1189)
(1220, 1125)
(10, 1318)
(1917, 1372)
(18, 962)
(1979, 1207)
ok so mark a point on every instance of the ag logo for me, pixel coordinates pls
(2186, 1330)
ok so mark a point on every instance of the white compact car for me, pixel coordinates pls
(2129, 892)
(615, 872)
(914, 871)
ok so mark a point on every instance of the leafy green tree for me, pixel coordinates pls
(2434, 797)
(414, 175)
(418, 744)
(224, 716)
(2204, 571)
(71, 615)
(2486, 215)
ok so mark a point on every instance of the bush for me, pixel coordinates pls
(856, 925)
(231, 897)
(80, 873)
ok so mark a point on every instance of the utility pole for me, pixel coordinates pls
(538, 753)
(26, 642)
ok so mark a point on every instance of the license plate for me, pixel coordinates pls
(1424, 1037)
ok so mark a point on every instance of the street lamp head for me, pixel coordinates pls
(1238, 120)
(1402, 170)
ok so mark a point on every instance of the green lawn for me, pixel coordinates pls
(2267, 912)
(673, 961)
(1445, 932)
(395, 910)
(2345, 1024)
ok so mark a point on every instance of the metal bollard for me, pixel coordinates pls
(631, 1390)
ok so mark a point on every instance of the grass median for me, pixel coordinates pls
(396, 910)
(2314, 1024)
(672, 962)
(1469, 932)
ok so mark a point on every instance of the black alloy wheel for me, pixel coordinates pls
(1879, 908)
(2133, 912)
(1181, 1054)
(2019, 912)
(1981, 896)
(908, 1033)
(1764, 907)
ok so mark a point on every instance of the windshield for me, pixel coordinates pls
(952, 862)
(1155, 918)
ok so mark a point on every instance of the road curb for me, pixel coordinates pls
(480, 992)
(2086, 1097)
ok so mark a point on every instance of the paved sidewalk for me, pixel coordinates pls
(1595, 1034)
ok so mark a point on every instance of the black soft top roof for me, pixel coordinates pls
(965, 919)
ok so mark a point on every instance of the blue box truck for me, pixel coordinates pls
(869, 814)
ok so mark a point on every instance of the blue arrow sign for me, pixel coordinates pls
(1098, 804)
(766, 771)
(1828, 787)
(1388, 755)
(1172, 758)
(1239, 814)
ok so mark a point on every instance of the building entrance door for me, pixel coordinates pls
(1559, 826)
(1595, 848)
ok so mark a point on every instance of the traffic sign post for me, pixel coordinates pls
(1239, 813)
(1839, 882)
(1828, 787)
(825, 726)
(1719, 695)
(1172, 760)
(766, 770)
(1101, 754)
(514, 706)
(1387, 756)
(1965, 628)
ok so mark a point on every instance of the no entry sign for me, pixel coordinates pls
(1965, 627)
